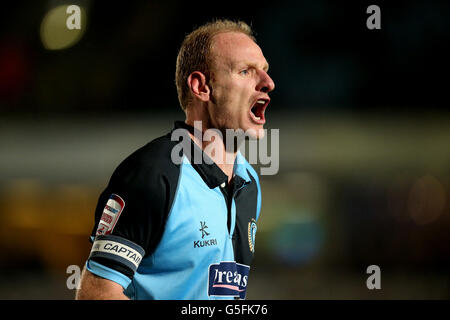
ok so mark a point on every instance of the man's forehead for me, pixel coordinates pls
(236, 47)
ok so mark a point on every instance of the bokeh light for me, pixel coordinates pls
(55, 35)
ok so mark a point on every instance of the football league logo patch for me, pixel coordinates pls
(251, 235)
(111, 214)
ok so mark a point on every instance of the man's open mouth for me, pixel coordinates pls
(258, 109)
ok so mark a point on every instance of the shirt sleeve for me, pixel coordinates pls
(129, 220)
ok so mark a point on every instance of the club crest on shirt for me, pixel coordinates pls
(252, 234)
(111, 214)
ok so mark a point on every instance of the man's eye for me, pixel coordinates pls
(244, 72)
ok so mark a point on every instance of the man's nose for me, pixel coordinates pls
(266, 83)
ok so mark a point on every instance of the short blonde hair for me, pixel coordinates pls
(194, 54)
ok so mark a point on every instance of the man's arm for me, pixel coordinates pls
(93, 287)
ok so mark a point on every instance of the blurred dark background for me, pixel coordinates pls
(364, 126)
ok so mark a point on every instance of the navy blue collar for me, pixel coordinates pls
(210, 172)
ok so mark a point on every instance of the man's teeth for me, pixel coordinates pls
(262, 102)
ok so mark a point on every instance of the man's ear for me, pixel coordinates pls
(197, 83)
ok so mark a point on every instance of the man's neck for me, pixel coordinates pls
(224, 158)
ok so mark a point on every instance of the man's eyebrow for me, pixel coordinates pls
(254, 65)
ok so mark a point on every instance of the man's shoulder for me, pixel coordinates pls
(152, 159)
(156, 151)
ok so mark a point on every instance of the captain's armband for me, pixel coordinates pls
(117, 251)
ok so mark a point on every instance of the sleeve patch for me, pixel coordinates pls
(111, 214)
(119, 250)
